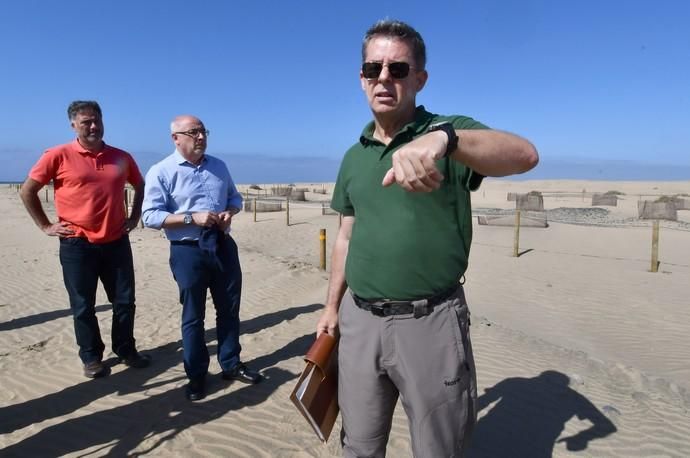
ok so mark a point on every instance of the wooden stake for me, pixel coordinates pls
(287, 212)
(516, 240)
(655, 246)
(254, 210)
(322, 240)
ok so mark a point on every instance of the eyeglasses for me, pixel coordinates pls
(397, 70)
(194, 133)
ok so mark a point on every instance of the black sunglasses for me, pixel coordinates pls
(397, 70)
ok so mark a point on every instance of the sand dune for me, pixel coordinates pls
(581, 351)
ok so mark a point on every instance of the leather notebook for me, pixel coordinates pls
(316, 392)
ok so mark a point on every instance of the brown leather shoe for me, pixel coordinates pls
(96, 369)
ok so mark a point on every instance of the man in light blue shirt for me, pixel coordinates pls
(192, 197)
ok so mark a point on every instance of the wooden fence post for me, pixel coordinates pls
(287, 210)
(655, 246)
(516, 240)
(322, 240)
(254, 206)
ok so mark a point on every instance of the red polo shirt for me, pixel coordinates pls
(89, 188)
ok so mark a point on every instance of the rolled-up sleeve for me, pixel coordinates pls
(234, 196)
(156, 199)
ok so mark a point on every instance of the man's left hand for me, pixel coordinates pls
(131, 224)
(414, 165)
(224, 220)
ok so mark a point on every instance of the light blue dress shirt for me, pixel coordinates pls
(175, 186)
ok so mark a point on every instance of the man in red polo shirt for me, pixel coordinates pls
(89, 178)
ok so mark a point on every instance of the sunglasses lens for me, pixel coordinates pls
(399, 70)
(371, 70)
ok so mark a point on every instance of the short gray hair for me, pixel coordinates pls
(397, 29)
(78, 105)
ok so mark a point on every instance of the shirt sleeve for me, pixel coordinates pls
(46, 168)
(340, 201)
(134, 177)
(156, 199)
(234, 196)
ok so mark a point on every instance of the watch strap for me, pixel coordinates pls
(453, 139)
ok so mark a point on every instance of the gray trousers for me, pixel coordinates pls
(427, 361)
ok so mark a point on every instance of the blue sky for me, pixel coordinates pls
(586, 80)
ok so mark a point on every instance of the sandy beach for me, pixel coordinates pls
(580, 349)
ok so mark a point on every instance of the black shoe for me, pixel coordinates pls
(136, 360)
(96, 369)
(243, 374)
(196, 390)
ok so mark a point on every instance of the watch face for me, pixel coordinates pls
(188, 219)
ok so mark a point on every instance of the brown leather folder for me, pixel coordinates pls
(316, 392)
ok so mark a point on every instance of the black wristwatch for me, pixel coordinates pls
(450, 131)
(188, 219)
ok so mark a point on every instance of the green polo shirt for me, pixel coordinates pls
(404, 245)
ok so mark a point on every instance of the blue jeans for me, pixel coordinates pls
(83, 263)
(196, 272)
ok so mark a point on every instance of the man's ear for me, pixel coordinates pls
(421, 78)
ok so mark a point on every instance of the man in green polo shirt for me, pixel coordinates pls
(395, 295)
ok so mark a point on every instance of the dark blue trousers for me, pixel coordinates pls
(196, 272)
(83, 263)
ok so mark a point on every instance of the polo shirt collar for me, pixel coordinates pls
(76, 146)
(421, 121)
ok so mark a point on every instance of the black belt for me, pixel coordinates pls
(420, 307)
(184, 242)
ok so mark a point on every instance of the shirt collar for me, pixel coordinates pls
(76, 146)
(421, 121)
(180, 160)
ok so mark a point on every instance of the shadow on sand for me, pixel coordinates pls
(39, 318)
(163, 414)
(527, 416)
